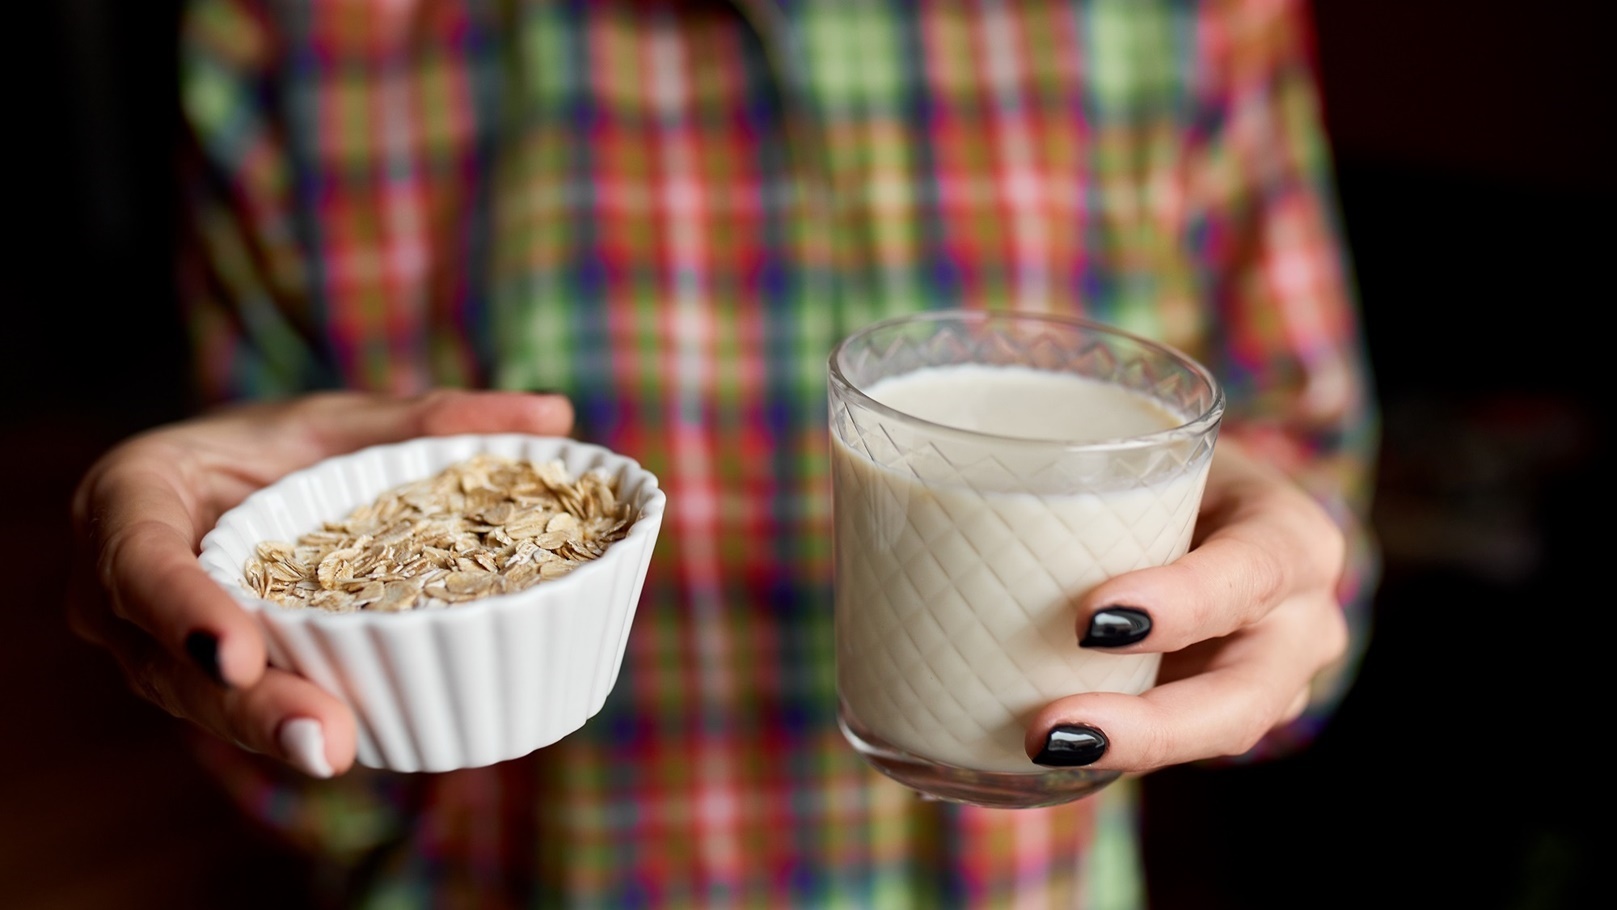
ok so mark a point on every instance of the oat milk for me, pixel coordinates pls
(954, 607)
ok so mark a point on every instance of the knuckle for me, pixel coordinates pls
(82, 505)
(81, 619)
(111, 559)
(437, 410)
(88, 504)
(1255, 724)
(1335, 637)
(434, 400)
(1298, 705)
(1250, 735)
(148, 679)
(1266, 707)
(1204, 591)
(1154, 744)
(1154, 749)
(235, 721)
(1266, 577)
(1247, 581)
(1327, 542)
(1319, 627)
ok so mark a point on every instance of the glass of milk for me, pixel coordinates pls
(987, 470)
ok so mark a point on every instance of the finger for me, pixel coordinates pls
(235, 450)
(1264, 541)
(343, 422)
(285, 716)
(1243, 687)
(1298, 705)
(282, 715)
(1221, 586)
(147, 564)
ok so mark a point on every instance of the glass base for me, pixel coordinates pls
(952, 783)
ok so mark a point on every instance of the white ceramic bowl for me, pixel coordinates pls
(465, 685)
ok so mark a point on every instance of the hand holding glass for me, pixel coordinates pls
(987, 471)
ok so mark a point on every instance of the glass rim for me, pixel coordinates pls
(1198, 425)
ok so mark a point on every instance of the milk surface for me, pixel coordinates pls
(1024, 403)
(955, 599)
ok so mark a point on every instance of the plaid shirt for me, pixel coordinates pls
(670, 211)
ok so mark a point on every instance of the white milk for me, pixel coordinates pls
(955, 614)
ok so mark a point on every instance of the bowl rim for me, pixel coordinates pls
(211, 553)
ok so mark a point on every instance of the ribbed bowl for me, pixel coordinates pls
(460, 686)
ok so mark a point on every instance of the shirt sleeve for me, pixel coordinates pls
(337, 178)
(243, 268)
(1290, 346)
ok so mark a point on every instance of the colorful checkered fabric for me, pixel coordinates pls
(670, 211)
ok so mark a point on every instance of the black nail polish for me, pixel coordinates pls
(1115, 627)
(204, 650)
(1071, 746)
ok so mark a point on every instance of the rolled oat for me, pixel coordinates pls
(488, 525)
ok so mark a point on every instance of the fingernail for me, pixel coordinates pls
(304, 745)
(1072, 745)
(204, 650)
(1115, 627)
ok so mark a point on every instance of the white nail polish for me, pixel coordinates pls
(304, 744)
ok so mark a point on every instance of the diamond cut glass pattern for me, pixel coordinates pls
(960, 555)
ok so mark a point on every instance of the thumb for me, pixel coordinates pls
(343, 422)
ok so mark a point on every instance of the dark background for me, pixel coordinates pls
(1474, 150)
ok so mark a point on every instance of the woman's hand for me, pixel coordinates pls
(139, 516)
(1245, 621)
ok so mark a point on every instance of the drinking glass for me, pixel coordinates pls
(962, 546)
